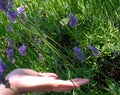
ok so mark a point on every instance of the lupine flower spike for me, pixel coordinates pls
(10, 55)
(3, 66)
(3, 5)
(6, 5)
(9, 28)
(73, 20)
(11, 43)
(79, 53)
(21, 12)
(94, 50)
(1, 70)
(41, 57)
(22, 50)
(12, 15)
(21, 9)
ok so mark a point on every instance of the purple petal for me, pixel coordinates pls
(20, 9)
(94, 50)
(73, 20)
(1, 70)
(79, 54)
(22, 50)
(12, 15)
(4, 65)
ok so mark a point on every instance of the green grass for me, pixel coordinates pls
(98, 24)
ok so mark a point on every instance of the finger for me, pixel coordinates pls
(38, 84)
(31, 73)
(24, 83)
(69, 84)
(20, 71)
(28, 72)
(55, 76)
(79, 81)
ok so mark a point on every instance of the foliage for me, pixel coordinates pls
(50, 39)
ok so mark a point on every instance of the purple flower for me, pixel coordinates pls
(12, 15)
(23, 17)
(3, 66)
(41, 57)
(20, 9)
(1, 70)
(73, 20)
(9, 28)
(9, 52)
(79, 53)
(94, 50)
(6, 5)
(22, 50)
(11, 44)
(10, 55)
(3, 5)
(21, 12)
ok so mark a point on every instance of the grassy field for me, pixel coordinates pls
(51, 41)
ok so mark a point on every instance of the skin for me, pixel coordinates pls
(27, 80)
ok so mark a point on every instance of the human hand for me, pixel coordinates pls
(27, 80)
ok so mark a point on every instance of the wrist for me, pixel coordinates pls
(6, 91)
(7, 87)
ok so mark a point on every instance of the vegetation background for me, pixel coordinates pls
(50, 44)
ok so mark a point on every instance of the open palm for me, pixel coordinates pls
(27, 80)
